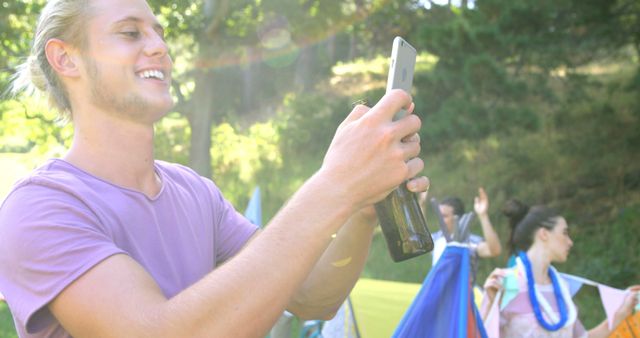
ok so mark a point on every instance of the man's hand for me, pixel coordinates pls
(371, 154)
(418, 185)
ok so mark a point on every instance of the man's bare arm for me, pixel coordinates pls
(246, 295)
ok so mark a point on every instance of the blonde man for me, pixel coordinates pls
(108, 242)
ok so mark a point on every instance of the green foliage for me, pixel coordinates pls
(172, 139)
(17, 19)
(7, 330)
(306, 126)
(249, 158)
(28, 126)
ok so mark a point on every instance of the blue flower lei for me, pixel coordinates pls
(562, 306)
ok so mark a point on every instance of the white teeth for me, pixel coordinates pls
(147, 74)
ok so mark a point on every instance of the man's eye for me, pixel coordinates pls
(131, 34)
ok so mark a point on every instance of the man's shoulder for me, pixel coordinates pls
(177, 171)
(54, 174)
(181, 175)
(54, 192)
(175, 167)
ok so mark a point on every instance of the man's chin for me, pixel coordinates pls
(162, 111)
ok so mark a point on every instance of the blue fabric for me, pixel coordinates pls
(562, 306)
(575, 283)
(254, 208)
(443, 304)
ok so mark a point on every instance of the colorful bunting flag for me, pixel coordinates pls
(254, 208)
(611, 298)
(511, 288)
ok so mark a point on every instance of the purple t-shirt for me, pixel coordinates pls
(60, 221)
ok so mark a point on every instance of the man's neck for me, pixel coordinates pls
(117, 150)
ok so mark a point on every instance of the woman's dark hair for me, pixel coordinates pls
(524, 222)
(455, 203)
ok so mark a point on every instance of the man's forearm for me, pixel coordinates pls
(262, 279)
(337, 271)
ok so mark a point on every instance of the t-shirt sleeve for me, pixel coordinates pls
(48, 239)
(233, 230)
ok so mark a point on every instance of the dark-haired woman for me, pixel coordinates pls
(542, 305)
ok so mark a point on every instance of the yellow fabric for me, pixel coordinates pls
(629, 328)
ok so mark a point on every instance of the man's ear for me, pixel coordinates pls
(62, 59)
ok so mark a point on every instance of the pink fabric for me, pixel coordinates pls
(492, 320)
(611, 300)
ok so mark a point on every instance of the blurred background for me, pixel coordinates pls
(537, 100)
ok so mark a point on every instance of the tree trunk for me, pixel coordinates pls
(201, 120)
(331, 49)
(353, 49)
(304, 69)
(250, 74)
(201, 116)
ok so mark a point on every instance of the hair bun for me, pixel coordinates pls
(515, 211)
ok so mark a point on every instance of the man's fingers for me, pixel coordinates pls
(408, 126)
(415, 137)
(410, 149)
(415, 166)
(391, 103)
(358, 111)
(419, 185)
(411, 108)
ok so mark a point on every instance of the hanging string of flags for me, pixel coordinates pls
(611, 297)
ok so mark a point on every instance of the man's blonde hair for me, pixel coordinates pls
(59, 19)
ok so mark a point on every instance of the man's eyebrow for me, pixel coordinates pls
(156, 25)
